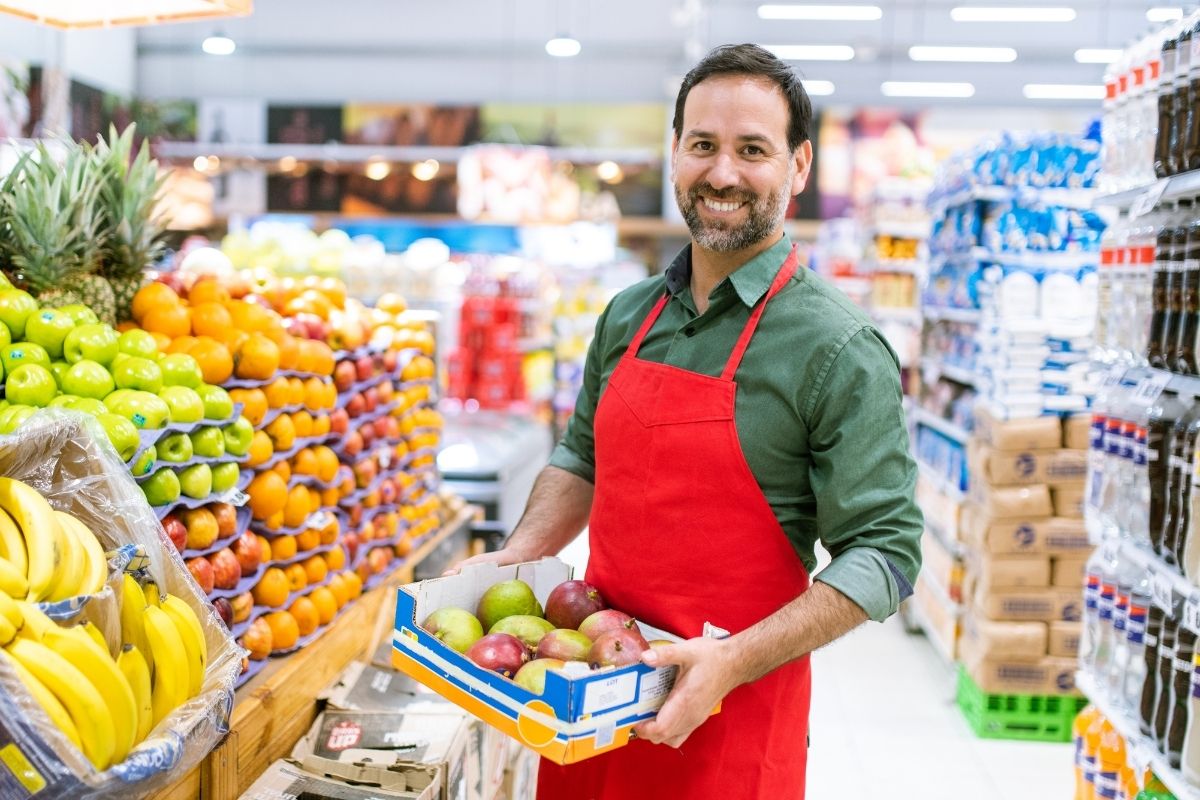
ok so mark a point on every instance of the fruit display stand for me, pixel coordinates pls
(275, 708)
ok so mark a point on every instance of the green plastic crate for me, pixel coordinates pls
(1029, 717)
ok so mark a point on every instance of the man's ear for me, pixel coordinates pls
(803, 156)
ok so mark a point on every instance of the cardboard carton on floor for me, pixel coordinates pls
(1064, 639)
(575, 717)
(1028, 605)
(284, 780)
(1024, 535)
(1017, 434)
(412, 752)
(1012, 639)
(1025, 467)
(1068, 501)
(1009, 572)
(367, 687)
(1048, 675)
(1067, 571)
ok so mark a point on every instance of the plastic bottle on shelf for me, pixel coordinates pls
(1185, 345)
(1085, 766)
(1095, 511)
(1148, 698)
(1191, 742)
(1164, 675)
(1180, 85)
(1152, 45)
(1162, 269)
(1104, 333)
(1141, 258)
(1110, 761)
(1091, 754)
(1135, 631)
(1173, 299)
(1180, 704)
(1109, 177)
(1089, 641)
(1191, 545)
(1179, 481)
(1166, 99)
(1161, 417)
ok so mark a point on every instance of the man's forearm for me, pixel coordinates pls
(557, 510)
(812, 620)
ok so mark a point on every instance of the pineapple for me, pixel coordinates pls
(134, 234)
(52, 239)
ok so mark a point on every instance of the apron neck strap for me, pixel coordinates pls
(781, 278)
(636, 343)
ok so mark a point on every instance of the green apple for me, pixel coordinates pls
(143, 409)
(49, 328)
(208, 442)
(88, 379)
(162, 487)
(180, 369)
(225, 477)
(218, 405)
(145, 462)
(121, 433)
(93, 341)
(238, 436)
(31, 385)
(59, 370)
(89, 405)
(15, 308)
(5, 335)
(12, 417)
(64, 401)
(80, 313)
(196, 481)
(135, 372)
(138, 343)
(185, 404)
(175, 449)
(5, 283)
(14, 355)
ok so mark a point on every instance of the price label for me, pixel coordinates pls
(1160, 590)
(1191, 614)
(1113, 376)
(385, 458)
(1146, 201)
(320, 519)
(237, 498)
(1150, 388)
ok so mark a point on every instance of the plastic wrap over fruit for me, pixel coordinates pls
(66, 457)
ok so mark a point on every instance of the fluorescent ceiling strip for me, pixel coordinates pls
(988, 54)
(1164, 13)
(818, 88)
(836, 13)
(812, 52)
(927, 89)
(1063, 91)
(1097, 55)
(1012, 14)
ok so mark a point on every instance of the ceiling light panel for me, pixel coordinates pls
(927, 89)
(1097, 55)
(103, 13)
(1063, 91)
(818, 88)
(819, 12)
(1012, 14)
(812, 52)
(999, 55)
(1164, 14)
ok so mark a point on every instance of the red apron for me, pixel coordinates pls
(682, 534)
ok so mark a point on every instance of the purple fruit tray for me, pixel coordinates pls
(359, 352)
(274, 414)
(178, 465)
(243, 525)
(305, 641)
(311, 481)
(307, 554)
(315, 520)
(235, 497)
(147, 437)
(253, 669)
(297, 446)
(360, 386)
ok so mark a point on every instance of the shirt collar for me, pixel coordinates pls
(751, 280)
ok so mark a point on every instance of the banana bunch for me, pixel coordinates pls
(45, 554)
(105, 706)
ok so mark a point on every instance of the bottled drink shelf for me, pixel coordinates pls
(1142, 753)
(1185, 184)
(1171, 591)
(942, 426)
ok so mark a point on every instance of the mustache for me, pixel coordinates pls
(707, 190)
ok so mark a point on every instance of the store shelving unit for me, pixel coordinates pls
(1185, 184)
(941, 482)
(970, 316)
(938, 369)
(943, 426)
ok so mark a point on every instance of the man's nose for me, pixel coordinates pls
(723, 172)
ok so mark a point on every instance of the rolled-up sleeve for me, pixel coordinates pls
(576, 451)
(863, 476)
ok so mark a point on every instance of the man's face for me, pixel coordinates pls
(732, 169)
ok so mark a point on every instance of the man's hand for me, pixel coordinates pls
(501, 558)
(707, 672)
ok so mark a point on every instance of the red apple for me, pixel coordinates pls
(227, 571)
(352, 444)
(201, 526)
(224, 611)
(387, 492)
(357, 406)
(371, 399)
(242, 605)
(391, 427)
(571, 602)
(339, 421)
(226, 516)
(343, 375)
(248, 552)
(363, 570)
(367, 432)
(381, 427)
(202, 573)
(391, 362)
(379, 558)
(350, 541)
(176, 531)
(499, 652)
(356, 515)
(386, 390)
(364, 367)
(365, 472)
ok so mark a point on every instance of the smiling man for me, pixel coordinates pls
(736, 411)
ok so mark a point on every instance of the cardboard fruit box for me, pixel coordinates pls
(575, 717)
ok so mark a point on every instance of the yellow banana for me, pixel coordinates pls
(153, 596)
(42, 534)
(96, 636)
(95, 565)
(11, 611)
(8, 631)
(133, 625)
(193, 639)
(133, 666)
(102, 671)
(37, 624)
(72, 688)
(70, 575)
(169, 689)
(46, 699)
(12, 582)
(12, 546)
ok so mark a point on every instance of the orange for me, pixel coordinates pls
(283, 547)
(152, 295)
(296, 576)
(257, 358)
(316, 357)
(215, 362)
(174, 321)
(261, 449)
(208, 290)
(306, 615)
(279, 393)
(392, 303)
(181, 345)
(339, 588)
(284, 630)
(330, 532)
(314, 394)
(317, 569)
(353, 583)
(248, 317)
(321, 425)
(210, 319)
(335, 290)
(330, 497)
(274, 522)
(305, 462)
(254, 404)
(308, 539)
(335, 559)
(295, 512)
(326, 604)
(284, 469)
(127, 325)
(302, 424)
(289, 352)
(423, 341)
(265, 544)
(327, 463)
(272, 588)
(233, 339)
(268, 494)
(282, 432)
(295, 391)
(402, 547)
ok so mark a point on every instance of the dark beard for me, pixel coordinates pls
(765, 215)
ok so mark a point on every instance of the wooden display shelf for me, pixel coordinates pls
(276, 707)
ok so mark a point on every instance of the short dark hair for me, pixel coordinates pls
(750, 59)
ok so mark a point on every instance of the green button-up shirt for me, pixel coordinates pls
(818, 412)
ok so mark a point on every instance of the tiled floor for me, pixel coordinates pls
(884, 725)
